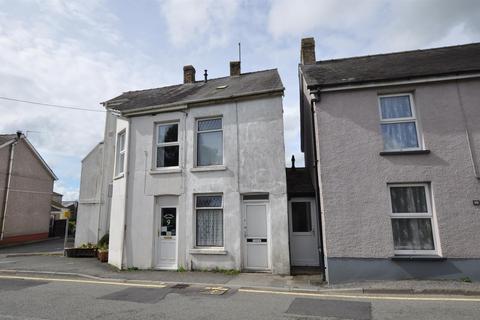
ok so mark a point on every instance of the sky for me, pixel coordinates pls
(80, 53)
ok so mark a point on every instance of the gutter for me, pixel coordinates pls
(392, 82)
(174, 106)
(7, 188)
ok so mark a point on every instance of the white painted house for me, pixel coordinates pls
(199, 175)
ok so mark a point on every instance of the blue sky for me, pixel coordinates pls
(83, 52)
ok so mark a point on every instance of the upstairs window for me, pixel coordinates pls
(120, 154)
(167, 145)
(399, 123)
(412, 219)
(209, 142)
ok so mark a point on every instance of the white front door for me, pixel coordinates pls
(303, 233)
(166, 239)
(256, 235)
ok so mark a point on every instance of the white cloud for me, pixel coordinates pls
(206, 22)
(295, 18)
(39, 64)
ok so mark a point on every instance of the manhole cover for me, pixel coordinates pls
(180, 286)
(216, 291)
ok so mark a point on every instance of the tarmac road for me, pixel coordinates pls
(39, 298)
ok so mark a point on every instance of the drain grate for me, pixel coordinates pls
(215, 291)
(180, 286)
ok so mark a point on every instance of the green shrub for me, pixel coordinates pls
(103, 242)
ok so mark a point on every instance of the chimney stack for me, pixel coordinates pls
(188, 74)
(307, 53)
(234, 68)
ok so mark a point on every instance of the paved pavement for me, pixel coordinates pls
(12, 261)
(53, 298)
(49, 245)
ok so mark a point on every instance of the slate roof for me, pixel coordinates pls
(214, 89)
(6, 137)
(405, 65)
(299, 182)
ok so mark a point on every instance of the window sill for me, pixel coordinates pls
(213, 251)
(417, 258)
(120, 176)
(166, 170)
(209, 168)
(406, 152)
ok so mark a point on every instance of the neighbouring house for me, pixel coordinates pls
(196, 176)
(72, 206)
(58, 210)
(393, 143)
(26, 188)
(93, 215)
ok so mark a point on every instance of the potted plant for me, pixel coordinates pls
(102, 253)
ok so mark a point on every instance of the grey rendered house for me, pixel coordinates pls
(393, 141)
(24, 174)
(197, 176)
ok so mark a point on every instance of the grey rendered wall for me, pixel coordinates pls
(254, 162)
(30, 180)
(93, 215)
(89, 197)
(354, 176)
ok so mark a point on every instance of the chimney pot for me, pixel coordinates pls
(188, 74)
(234, 68)
(307, 52)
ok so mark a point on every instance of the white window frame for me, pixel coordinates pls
(413, 118)
(413, 215)
(166, 144)
(119, 171)
(196, 140)
(195, 208)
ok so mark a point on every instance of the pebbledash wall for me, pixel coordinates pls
(25, 220)
(253, 162)
(354, 178)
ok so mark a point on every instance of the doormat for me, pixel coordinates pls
(331, 308)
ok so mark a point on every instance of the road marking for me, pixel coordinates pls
(125, 284)
(367, 297)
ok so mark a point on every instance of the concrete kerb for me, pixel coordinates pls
(333, 291)
(31, 254)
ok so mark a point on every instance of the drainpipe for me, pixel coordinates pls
(7, 189)
(316, 98)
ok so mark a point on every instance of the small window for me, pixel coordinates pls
(412, 219)
(209, 142)
(209, 220)
(398, 122)
(301, 217)
(167, 151)
(120, 154)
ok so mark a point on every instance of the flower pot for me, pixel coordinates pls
(80, 252)
(102, 256)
